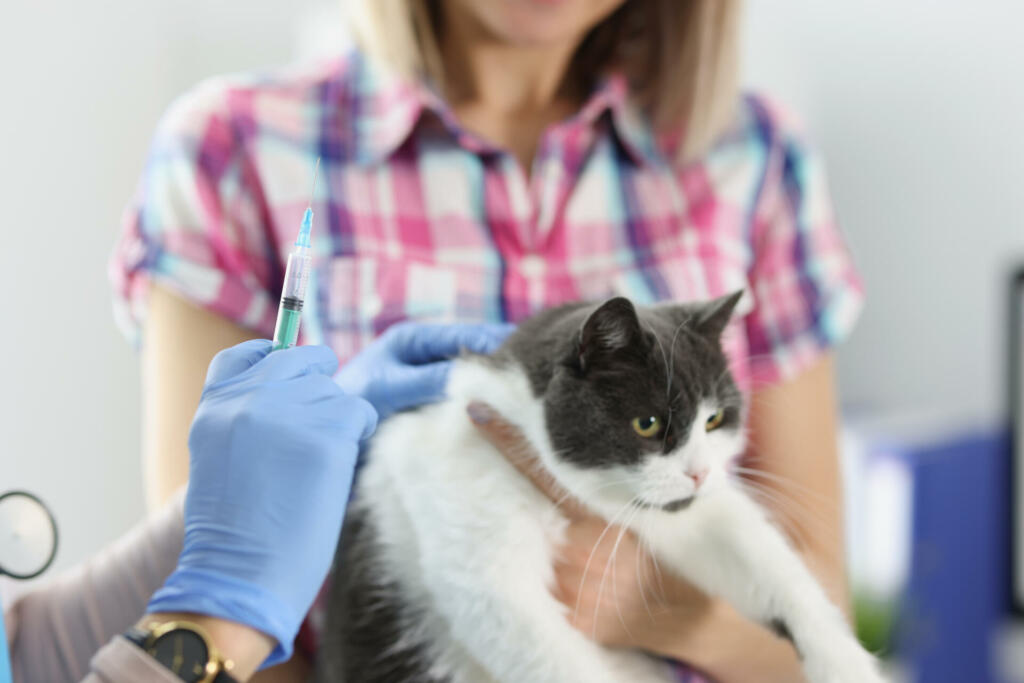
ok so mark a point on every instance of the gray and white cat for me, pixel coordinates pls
(445, 566)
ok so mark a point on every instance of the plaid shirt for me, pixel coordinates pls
(418, 218)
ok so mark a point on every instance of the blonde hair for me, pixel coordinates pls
(681, 57)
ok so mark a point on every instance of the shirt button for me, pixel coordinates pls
(532, 266)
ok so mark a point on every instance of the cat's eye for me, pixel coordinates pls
(715, 421)
(646, 426)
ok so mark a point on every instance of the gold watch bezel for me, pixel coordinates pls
(215, 661)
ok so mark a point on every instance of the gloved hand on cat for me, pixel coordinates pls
(409, 364)
(273, 451)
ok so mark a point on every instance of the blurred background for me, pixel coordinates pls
(916, 105)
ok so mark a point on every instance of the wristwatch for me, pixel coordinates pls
(184, 648)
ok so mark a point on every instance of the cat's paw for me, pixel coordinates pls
(841, 662)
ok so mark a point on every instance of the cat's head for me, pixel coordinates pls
(640, 405)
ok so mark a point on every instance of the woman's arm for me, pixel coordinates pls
(179, 341)
(793, 458)
(794, 447)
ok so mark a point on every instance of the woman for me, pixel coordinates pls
(483, 159)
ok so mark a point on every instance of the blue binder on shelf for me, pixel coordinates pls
(954, 596)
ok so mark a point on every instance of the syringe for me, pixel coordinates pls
(296, 277)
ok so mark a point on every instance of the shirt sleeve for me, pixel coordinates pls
(55, 630)
(121, 661)
(198, 225)
(807, 292)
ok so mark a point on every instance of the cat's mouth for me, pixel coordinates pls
(671, 506)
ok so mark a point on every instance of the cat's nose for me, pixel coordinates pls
(698, 476)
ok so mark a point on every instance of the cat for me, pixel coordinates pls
(445, 564)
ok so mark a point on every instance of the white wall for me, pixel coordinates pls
(916, 104)
(83, 86)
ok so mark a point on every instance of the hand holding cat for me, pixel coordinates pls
(616, 594)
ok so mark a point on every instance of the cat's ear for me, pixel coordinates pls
(613, 327)
(711, 318)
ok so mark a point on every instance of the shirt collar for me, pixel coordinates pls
(382, 109)
(629, 125)
(386, 108)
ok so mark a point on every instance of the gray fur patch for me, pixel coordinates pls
(366, 618)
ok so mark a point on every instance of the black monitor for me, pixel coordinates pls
(1016, 380)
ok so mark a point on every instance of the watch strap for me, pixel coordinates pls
(137, 635)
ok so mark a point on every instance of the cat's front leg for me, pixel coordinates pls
(731, 550)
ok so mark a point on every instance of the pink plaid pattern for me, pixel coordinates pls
(417, 218)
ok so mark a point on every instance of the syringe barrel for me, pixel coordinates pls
(296, 276)
(293, 296)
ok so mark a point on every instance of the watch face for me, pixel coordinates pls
(183, 652)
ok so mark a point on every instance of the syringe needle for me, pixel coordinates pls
(316, 174)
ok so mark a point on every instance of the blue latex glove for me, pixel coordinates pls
(407, 366)
(273, 450)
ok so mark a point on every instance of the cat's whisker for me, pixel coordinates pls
(662, 600)
(638, 570)
(604, 573)
(646, 553)
(672, 349)
(623, 530)
(807, 506)
(761, 399)
(778, 515)
(803, 517)
(722, 375)
(664, 358)
(782, 518)
(567, 496)
(590, 558)
(779, 496)
(787, 481)
(524, 458)
(799, 527)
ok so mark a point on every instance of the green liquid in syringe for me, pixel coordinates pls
(287, 331)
